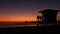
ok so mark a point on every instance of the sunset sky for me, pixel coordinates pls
(25, 10)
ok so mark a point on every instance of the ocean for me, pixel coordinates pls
(8, 25)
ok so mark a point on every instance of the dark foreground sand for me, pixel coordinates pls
(32, 29)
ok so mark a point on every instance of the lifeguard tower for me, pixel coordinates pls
(49, 15)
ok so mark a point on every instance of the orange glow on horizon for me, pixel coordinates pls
(17, 19)
(22, 18)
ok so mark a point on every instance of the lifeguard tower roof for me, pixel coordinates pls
(48, 10)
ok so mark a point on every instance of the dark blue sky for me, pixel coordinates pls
(29, 5)
(23, 8)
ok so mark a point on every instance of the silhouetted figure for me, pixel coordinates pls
(38, 18)
(58, 17)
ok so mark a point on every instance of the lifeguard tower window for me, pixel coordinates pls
(49, 15)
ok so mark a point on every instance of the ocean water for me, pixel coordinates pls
(6, 25)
